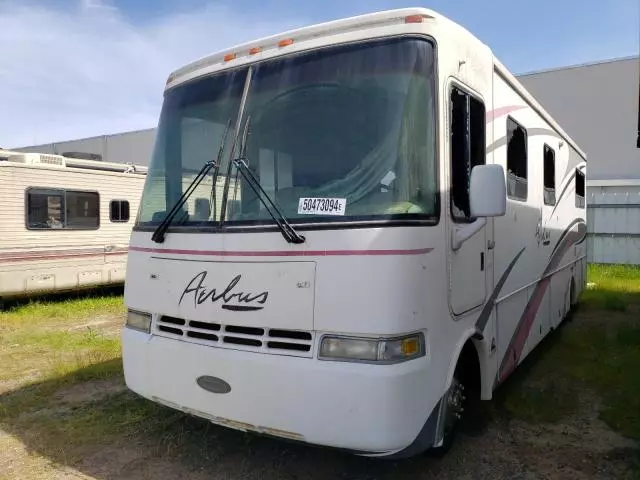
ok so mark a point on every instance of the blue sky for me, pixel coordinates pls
(78, 68)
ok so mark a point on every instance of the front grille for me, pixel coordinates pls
(277, 341)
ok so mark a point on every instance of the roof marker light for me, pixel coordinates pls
(229, 56)
(413, 19)
(285, 43)
(254, 50)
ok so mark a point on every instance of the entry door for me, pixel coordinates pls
(467, 285)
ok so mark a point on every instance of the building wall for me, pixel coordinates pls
(597, 105)
(128, 147)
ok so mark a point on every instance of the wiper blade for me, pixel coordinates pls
(288, 232)
(161, 229)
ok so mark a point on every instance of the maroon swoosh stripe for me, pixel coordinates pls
(516, 345)
(284, 253)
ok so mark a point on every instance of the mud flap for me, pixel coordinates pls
(430, 435)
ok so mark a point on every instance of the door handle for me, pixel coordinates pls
(482, 261)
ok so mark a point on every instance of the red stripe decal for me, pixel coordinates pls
(286, 253)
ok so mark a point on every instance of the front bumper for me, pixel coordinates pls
(366, 408)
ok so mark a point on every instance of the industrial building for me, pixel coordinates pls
(597, 104)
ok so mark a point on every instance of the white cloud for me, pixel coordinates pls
(91, 71)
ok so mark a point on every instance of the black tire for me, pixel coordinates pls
(572, 301)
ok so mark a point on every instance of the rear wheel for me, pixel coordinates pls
(572, 301)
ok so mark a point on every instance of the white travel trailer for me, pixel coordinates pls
(65, 222)
(408, 224)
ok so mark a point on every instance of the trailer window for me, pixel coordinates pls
(467, 148)
(579, 189)
(516, 160)
(549, 175)
(119, 211)
(62, 209)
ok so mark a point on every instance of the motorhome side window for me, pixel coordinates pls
(549, 175)
(516, 160)
(62, 209)
(579, 189)
(467, 148)
(119, 211)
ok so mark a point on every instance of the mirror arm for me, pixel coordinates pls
(462, 233)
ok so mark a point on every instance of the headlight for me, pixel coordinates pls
(139, 320)
(373, 350)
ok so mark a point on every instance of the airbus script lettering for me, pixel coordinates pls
(235, 301)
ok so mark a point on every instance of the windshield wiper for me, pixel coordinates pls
(288, 232)
(161, 229)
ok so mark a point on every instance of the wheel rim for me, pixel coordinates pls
(455, 406)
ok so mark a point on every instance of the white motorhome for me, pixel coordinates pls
(65, 222)
(406, 224)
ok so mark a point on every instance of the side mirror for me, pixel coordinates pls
(488, 191)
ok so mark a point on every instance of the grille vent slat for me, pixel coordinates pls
(202, 335)
(290, 334)
(289, 346)
(204, 325)
(175, 331)
(244, 330)
(256, 339)
(172, 320)
(249, 342)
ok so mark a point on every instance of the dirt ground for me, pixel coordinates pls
(579, 447)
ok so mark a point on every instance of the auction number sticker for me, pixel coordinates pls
(322, 206)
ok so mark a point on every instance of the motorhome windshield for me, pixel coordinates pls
(344, 133)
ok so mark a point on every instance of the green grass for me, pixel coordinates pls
(595, 357)
(43, 339)
(615, 288)
(44, 354)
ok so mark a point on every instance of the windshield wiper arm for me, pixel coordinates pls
(161, 229)
(288, 232)
(216, 169)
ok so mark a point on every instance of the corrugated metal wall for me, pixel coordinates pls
(613, 223)
(128, 147)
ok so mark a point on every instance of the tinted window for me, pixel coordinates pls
(516, 160)
(119, 211)
(467, 148)
(579, 189)
(549, 175)
(335, 134)
(62, 209)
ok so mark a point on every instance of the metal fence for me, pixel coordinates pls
(613, 222)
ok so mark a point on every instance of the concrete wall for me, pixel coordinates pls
(597, 105)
